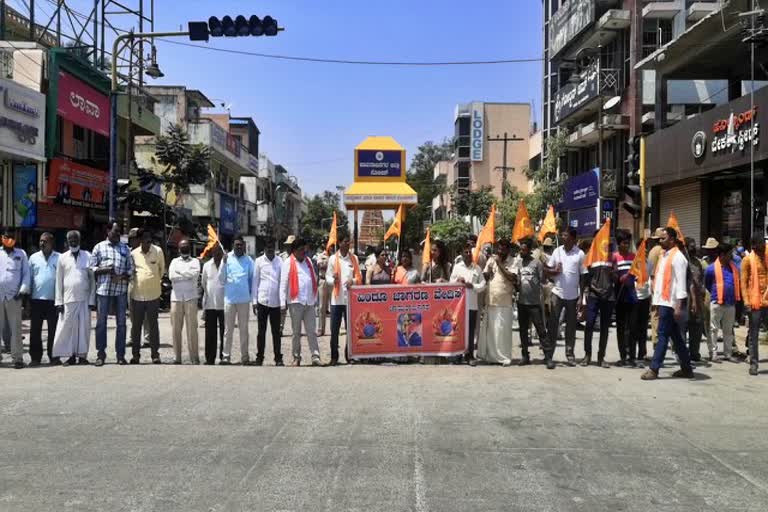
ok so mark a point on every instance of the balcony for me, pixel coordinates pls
(698, 10)
(589, 134)
(212, 135)
(578, 100)
(660, 9)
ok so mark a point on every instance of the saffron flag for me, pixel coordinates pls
(549, 225)
(396, 227)
(599, 251)
(213, 241)
(523, 227)
(331, 236)
(640, 265)
(426, 255)
(672, 223)
(487, 235)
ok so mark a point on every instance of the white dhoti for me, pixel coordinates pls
(495, 342)
(73, 332)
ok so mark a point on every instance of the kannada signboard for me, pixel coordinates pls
(393, 321)
(571, 97)
(584, 221)
(371, 163)
(581, 191)
(82, 104)
(77, 185)
(569, 21)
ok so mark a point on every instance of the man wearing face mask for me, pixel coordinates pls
(184, 274)
(14, 282)
(42, 271)
(75, 298)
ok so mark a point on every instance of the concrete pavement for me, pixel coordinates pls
(409, 437)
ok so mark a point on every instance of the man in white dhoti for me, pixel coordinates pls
(495, 340)
(75, 297)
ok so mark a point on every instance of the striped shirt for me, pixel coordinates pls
(626, 290)
(118, 257)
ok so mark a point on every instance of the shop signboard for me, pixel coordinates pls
(74, 184)
(572, 96)
(22, 121)
(581, 191)
(379, 163)
(570, 20)
(228, 215)
(25, 195)
(82, 104)
(477, 131)
(584, 221)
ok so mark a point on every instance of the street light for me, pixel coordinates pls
(153, 71)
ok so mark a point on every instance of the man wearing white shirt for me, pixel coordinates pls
(468, 273)
(343, 271)
(14, 282)
(565, 267)
(670, 297)
(213, 306)
(298, 293)
(184, 273)
(266, 302)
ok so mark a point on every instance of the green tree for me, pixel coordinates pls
(317, 221)
(475, 203)
(454, 232)
(507, 212)
(421, 178)
(547, 187)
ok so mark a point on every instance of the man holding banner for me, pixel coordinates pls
(468, 273)
(343, 271)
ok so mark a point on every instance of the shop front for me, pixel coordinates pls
(700, 168)
(22, 154)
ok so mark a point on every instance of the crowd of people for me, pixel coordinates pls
(691, 294)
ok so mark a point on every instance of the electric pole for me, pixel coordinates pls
(505, 139)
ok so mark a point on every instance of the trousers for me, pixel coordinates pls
(103, 303)
(722, 317)
(266, 314)
(41, 310)
(145, 311)
(603, 308)
(337, 314)
(470, 353)
(10, 315)
(241, 313)
(324, 299)
(213, 318)
(756, 318)
(185, 313)
(626, 318)
(558, 305)
(527, 314)
(668, 327)
(640, 339)
(303, 314)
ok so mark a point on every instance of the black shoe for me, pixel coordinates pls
(55, 362)
(156, 360)
(631, 363)
(72, 360)
(334, 362)
(473, 362)
(177, 362)
(209, 363)
(571, 361)
(83, 361)
(525, 361)
(99, 362)
(122, 362)
(550, 364)
(134, 360)
(34, 364)
(753, 370)
(603, 363)
(683, 374)
(259, 361)
(279, 362)
(586, 361)
(620, 363)
(19, 365)
(696, 357)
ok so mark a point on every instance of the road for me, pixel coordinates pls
(380, 438)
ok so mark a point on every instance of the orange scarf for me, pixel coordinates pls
(293, 277)
(666, 285)
(755, 297)
(719, 281)
(337, 272)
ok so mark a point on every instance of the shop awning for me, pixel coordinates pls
(375, 195)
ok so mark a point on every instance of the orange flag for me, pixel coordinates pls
(672, 223)
(487, 235)
(599, 250)
(549, 225)
(426, 255)
(396, 227)
(523, 226)
(640, 265)
(331, 236)
(213, 240)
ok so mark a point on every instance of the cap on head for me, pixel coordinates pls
(548, 242)
(711, 243)
(289, 240)
(657, 234)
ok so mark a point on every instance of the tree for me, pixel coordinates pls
(547, 186)
(421, 178)
(317, 221)
(453, 232)
(507, 212)
(475, 203)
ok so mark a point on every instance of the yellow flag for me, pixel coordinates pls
(523, 226)
(599, 251)
(213, 240)
(331, 236)
(487, 235)
(640, 265)
(426, 255)
(396, 227)
(549, 225)
(672, 223)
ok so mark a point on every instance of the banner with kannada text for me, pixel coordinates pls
(392, 320)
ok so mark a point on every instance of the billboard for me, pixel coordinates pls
(372, 163)
(393, 321)
(228, 215)
(22, 121)
(572, 97)
(82, 104)
(74, 184)
(570, 20)
(25, 195)
(477, 131)
(581, 191)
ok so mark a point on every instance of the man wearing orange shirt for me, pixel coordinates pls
(754, 285)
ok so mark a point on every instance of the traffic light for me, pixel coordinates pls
(121, 189)
(238, 27)
(633, 189)
(634, 204)
(633, 159)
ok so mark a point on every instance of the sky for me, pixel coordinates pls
(312, 115)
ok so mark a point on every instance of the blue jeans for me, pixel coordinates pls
(337, 314)
(103, 303)
(668, 326)
(604, 309)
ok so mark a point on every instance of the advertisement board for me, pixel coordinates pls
(581, 191)
(77, 185)
(228, 215)
(584, 221)
(82, 104)
(570, 20)
(571, 97)
(22, 121)
(371, 163)
(477, 131)
(393, 321)
(25, 195)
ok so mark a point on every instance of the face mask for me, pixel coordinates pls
(9, 243)
(184, 253)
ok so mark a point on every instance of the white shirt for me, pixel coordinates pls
(567, 282)
(213, 290)
(472, 274)
(347, 273)
(677, 286)
(184, 274)
(74, 279)
(306, 296)
(14, 273)
(266, 281)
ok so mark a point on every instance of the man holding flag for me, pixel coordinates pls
(599, 293)
(343, 272)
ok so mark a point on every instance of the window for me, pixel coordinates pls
(656, 33)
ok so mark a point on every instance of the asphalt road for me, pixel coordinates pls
(369, 438)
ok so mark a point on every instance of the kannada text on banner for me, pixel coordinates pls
(391, 320)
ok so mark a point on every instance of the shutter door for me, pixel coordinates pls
(685, 200)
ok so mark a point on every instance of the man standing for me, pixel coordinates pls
(696, 300)
(75, 298)
(213, 305)
(466, 272)
(184, 274)
(14, 282)
(323, 290)
(149, 263)
(626, 301)
(42, 270)
(654, 253)
(530, 273)
(237, 277)
(112, 265)
(266, 302)
(287, 247)
(754, 287)
(298, 292)
(670, 298)
(565, 267)
(495, 343)
(643, 311)
(343, 271)
(722, 280)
